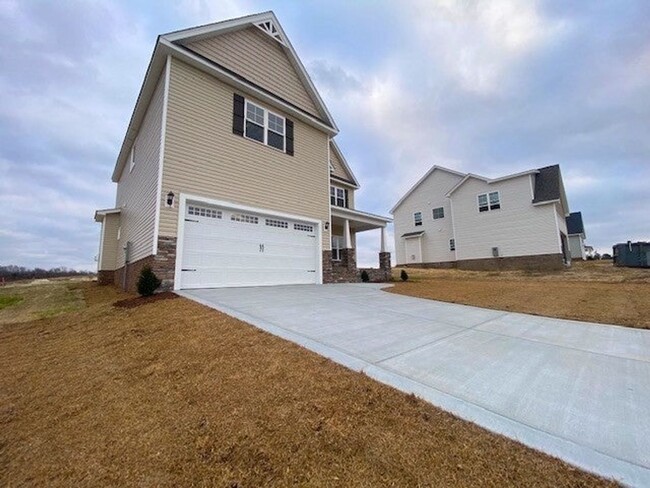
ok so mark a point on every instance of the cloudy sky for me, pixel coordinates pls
(485, 87)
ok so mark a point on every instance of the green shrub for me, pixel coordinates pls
(404, 275)
(364, 276)
(148, 282)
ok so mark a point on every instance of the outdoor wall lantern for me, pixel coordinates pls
(327, 226)
(170, 199)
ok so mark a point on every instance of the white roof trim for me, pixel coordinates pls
(202, 32)
(347, 213)
(489, 181)
(100, 214)
(421, 180)
(345, 164)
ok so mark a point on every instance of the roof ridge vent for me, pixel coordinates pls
(269, 28)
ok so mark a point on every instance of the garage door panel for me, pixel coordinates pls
(223, 247)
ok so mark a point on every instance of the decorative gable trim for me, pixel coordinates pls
(269, 28)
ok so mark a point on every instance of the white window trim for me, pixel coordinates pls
(338, 249)
(415, 220)
(265, 127)
(336, 196)
(433, 215)
(487, 195)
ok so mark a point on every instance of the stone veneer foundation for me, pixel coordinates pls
(542, 262)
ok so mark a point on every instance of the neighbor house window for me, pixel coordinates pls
(417, 218)
(337, 244)
(438, 213)
(338, 197)
(489, 201)
(452, 244)
(264, 126)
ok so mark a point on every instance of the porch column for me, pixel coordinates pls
(382, 247)
(346, 234)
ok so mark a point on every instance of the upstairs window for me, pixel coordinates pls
(438, 213)
(255, 122)
(338, 197)
(489, 201)
(417, 218)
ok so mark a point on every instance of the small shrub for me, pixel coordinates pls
(404, 275)
(148, 282)
(364, 276)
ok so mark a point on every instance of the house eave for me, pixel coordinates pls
(100, 214)
(372, 220)
(422, 180)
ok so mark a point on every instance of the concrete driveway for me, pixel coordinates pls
(575, 390)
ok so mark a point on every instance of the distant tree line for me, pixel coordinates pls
(13, 273)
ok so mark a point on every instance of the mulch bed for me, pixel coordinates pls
(139, 301)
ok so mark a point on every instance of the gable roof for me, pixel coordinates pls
(170, 44)
(339, 155)
(574, 223)
(489, 180)
(422, 180)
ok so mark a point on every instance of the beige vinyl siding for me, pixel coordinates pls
(518, 228)
(427, 196)
(259, 58)
(203, 157)
(137, 189)
(109, 244)
(339, 169)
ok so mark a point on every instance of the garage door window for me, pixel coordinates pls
(248, 219)
(204, 212)
(303, 227)
(277, 223)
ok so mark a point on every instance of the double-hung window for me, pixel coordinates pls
(264, 126)
(489, 201)
(338, 198)
(337, 245)
(417, 218)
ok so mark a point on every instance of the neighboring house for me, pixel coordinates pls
(228, 174)
(453, 219)
(576, 230)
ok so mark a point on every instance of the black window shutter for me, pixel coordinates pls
(238, 115)
(347, 204)
(289, 145)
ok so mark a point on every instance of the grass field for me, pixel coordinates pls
(23, 302)
(175, 394)
(593, 291)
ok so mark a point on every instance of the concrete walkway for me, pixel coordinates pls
(575, 390)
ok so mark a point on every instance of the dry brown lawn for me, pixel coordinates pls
(593, 291)
(172, 393)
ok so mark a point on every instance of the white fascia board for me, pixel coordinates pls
(365, 217)
(192, 59)
(421, 180)
(489, 181)
(199, 32)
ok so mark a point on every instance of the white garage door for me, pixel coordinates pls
(224, 247)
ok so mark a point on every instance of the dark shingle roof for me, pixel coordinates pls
(547, 184)
(574, 223)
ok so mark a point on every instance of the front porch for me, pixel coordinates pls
(340, 264)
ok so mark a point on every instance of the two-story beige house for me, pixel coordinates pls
(228, 174)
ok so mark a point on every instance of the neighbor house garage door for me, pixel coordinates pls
(224, 247)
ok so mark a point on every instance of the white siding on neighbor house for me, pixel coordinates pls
(137, 189)
(108, 243)
(428, 195)
(576, 247)
(518, 228)
(204, 158)
(259, 58)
